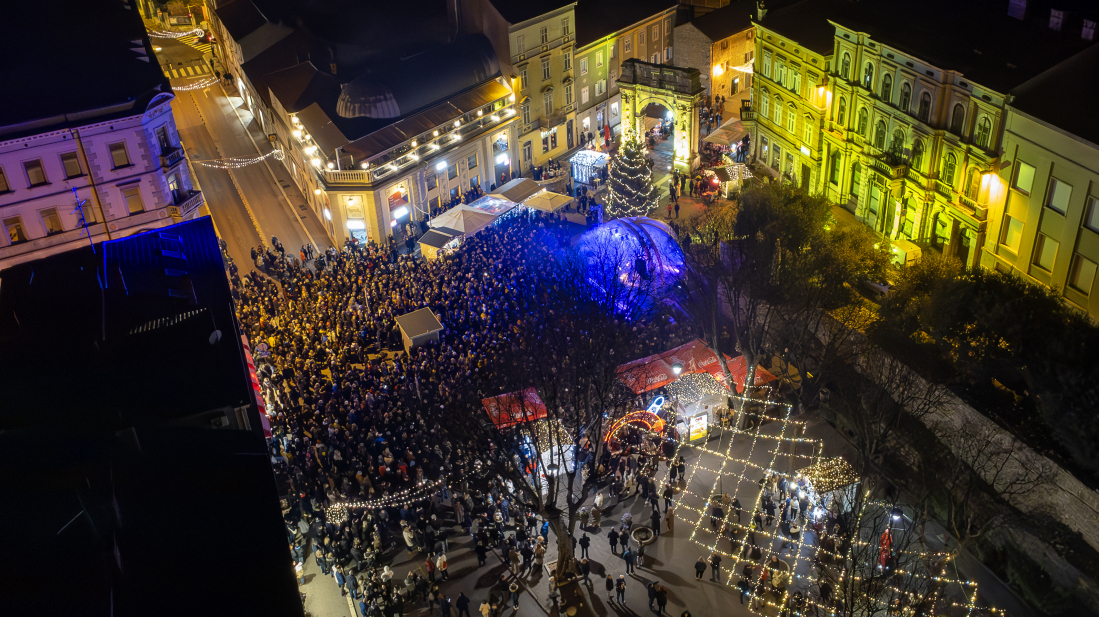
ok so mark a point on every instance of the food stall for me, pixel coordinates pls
(587, 165)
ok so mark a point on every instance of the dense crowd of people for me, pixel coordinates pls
(354, 425)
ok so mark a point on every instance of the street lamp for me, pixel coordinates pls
(677, 368)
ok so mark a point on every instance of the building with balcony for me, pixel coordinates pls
(909, 137)
(790, 94)
(721, 45)
(96, 155)
(384, 113)
(1043, 200)
(607, 35)
(535, 41)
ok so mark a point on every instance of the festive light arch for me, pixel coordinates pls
(646, 418)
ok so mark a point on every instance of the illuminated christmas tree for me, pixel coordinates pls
(630, 188)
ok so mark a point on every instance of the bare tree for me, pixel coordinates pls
(986, 467)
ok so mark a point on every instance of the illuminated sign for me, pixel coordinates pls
(655, 406)
(698, 426)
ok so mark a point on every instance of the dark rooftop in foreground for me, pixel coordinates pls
(732, 18)
(90, 57)
(518, 11)
(596, 19)
(136, 352)
(152, 521)
(1073, 94)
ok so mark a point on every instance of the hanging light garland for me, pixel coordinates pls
(160, 34)
(406, 497)
(198, 85)
(236, 162)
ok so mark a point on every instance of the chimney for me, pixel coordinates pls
(1016, 9)
(761, 10)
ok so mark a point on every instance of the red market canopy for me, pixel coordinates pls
(696, 357)
(514, 408)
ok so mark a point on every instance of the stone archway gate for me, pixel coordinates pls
(677, 89)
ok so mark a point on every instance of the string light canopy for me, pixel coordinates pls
(406, 497)
(237, 162)
(777, 441)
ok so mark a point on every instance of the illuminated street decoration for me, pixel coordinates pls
(160, 34)
(198, 85)
(237, 162)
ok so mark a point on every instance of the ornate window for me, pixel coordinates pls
(765, 104)
(887, 88)
(957, 119)
(950, 163)
(864, 119)
(917, 155)
(984, 132)
(841, 112)
(924, 113)
(791, 114)
(845, 66)
(868, 76)
(906, 97)
(879, 134)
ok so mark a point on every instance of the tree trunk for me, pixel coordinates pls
(566, 562)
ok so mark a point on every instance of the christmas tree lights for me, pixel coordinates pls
(630, 187)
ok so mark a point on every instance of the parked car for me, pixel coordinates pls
(878, 288)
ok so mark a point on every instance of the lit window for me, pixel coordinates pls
(1012, 233)
(807, 131)
(1024, 177)
(1081, 275)
(4, 186)
(14, 227)
(868, 75)
(1091, 217)
(1045, 252)
(598, 58)
(72, 165)
(51, 221)
(1058, 196)
(765, 105)
(583, 66)
(119, 157)
(36, 176)
(132, 196)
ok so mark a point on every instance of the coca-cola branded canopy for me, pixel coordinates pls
(514, 408)
(656, 371)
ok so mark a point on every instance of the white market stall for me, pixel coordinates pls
(517, 190)
(463, 220)
(547, 201)
(587, 165)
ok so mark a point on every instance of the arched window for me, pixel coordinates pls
(864, 119)
(897, 146)
(984, 132)
(841, 112)
(973, 183)
(791, 114)
(957, 119)
(887, 88)
(845, 70)
(856, 178)
(879, 134)
(949, 163)
(807, 131)
(868, 76)
(906, 97)
(917, 155)
(765, 104)
(925, 107)
(778, 111)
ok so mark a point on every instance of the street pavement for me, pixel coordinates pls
(249, 204)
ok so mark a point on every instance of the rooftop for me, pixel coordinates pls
(732, 18)
(596, 19)
(1073, 95)
(518, 11)
(419, 323)
(1002, 54)
(148, 521)
(64, 69)
(156, 344)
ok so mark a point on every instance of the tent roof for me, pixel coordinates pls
(728, 134)
(437, 238)
(462, 220)
(656, 371)
(548, 202)
(517, 190)
(515, 408)
(419, 323)
(490, 204)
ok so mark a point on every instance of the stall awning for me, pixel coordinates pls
(465, 221)
(437, 238)
(517, 190)
(548, 202)
(727, 134)
(695, 357)
(722, 174)
(515, 408)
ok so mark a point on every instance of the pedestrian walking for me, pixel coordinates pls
(700, 568)
(429, 567)
(655, 519)
(651, 589)
(585, 569)
(715, 567)
(441, 565)
(620, 588)
(661, 599)
(514, 589)
(669, 518)
(628, 557)
(612, 537)
(485, 609)
(677, 209)
(463, 605)
(610, 588)
(585, 542)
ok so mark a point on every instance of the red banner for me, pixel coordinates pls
(695, 357)
(515, 408)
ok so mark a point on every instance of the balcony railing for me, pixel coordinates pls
(186, 203)
(552, 120)
(171, 157)
(351, 176)
(944, 190)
